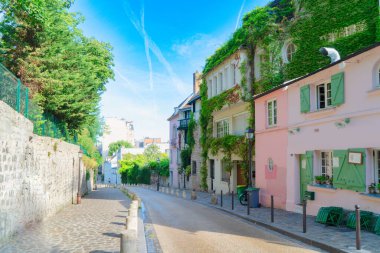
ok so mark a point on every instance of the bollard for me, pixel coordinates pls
(358, 244)
(177, 193)
(248, 202)
(221, 198)
(193, 195)
(232, 201)
(184, 194)
(271, 209)
(304, 215)
(214, 199)
(128, 241)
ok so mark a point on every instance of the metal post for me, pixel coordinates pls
(250, 164)
(232, 201)
(221, 198)
(357, 209)
(18, 95)
(26, 103)
(271, 209)
(248, 202)
(304, 215)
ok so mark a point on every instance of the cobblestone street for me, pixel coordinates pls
(93, 226)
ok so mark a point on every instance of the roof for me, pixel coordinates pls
(287, 83)
(194, 98)
(180, 107)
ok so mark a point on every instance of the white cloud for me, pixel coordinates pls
(239, 15)
(151, 46)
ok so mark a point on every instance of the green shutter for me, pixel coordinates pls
(349, 176)
(305, 98)
(306, 172)
(337, 89)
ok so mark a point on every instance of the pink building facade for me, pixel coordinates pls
(271, 137)
(326, 142)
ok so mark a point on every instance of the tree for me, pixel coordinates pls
(65, 71)
(152, 152)
(114, 146)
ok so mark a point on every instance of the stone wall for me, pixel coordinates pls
(38, 175)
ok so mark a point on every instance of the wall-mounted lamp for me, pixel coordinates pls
(294, 130)
(342, 123)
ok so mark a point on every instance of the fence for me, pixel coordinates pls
(16, 95)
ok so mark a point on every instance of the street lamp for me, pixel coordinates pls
(158, 174)
(79, 196)
(249, 134)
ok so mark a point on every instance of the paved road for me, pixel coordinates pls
(93, 226)
(183, 226)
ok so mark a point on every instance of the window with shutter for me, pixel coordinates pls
(306, 172)
(305, 98)
(337, 89)
(347, 175)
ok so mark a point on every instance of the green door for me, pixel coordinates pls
(306, 172)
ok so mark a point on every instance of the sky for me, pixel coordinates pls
(157, 46)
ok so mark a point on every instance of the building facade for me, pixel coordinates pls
(271, 142)
(331, 118)
(230, 120)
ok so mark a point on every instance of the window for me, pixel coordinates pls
(187, 114)
(209, 88)
(222, 128)
(324, 95)
(226, 81)
(225, 174)
(326, 164)
(220, 85)
(215, 85)
(272, 113)
(288, 51)
(194, 168)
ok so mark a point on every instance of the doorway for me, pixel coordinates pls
(212, 173)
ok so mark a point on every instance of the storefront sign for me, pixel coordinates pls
(355, 158)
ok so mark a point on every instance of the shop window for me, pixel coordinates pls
(222, 128)
(272, 113)
(324, 96)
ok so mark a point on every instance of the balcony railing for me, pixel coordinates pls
(183, 124)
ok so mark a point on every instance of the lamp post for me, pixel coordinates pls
(79, 196)
(158, 174)
(249, 134)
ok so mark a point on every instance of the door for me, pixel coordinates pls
(239, 174)
(306, 172)
(212, 173)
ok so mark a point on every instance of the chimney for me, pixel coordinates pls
(196, 81)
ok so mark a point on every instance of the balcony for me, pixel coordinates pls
(183, 124)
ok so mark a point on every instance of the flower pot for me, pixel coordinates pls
(371, 190)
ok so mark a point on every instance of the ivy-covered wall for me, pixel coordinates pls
(347, 26)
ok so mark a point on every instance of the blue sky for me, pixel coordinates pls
(157, 46)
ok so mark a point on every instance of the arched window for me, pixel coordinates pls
(288, 51)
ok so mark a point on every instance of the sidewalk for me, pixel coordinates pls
(331, 239)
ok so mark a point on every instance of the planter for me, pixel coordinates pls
(371, 190)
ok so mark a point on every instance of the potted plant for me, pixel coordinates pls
(378, 188)
(372, 188)
(329, 180)
(318, 179)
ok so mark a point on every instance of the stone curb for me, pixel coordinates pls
(297, 237)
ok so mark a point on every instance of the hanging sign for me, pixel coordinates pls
(355, 158)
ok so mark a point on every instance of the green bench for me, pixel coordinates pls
(330, 215)
(366, 219)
